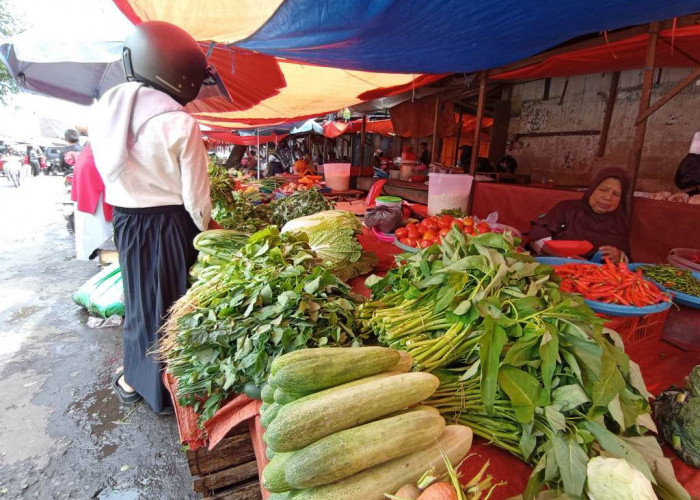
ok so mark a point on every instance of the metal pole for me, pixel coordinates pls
(362, 141)
(257, 151)
(635, 156)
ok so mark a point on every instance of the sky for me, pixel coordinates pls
(49, 16)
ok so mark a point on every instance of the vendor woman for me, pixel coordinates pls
(599, 217)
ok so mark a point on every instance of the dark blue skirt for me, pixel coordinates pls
(155, 254)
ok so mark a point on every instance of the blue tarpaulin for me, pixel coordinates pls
(422, 36)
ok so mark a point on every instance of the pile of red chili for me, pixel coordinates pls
(614, 284)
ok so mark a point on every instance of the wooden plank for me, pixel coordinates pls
(248, 491)
(435, 124)
(609, 105)
(635, 156)
(227, 477)
(668, 96)
(231, 451)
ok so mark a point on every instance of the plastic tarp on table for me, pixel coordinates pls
(400, 36)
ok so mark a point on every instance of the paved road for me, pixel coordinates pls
(63, 433)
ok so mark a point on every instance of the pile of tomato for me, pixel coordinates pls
(431, 229)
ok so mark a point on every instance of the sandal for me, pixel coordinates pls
(124, 396)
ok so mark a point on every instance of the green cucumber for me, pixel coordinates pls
(308, 420)
(309, 370)
(347, 452)
(273, 476)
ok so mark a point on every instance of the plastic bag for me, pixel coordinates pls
(103, 294)
(384, 218)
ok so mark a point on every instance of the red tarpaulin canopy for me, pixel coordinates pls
(676, 48)
(242, 140)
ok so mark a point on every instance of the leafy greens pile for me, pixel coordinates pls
(522, 363)
(332, 236)
(678, 413)
(272, 297)
(297, 205)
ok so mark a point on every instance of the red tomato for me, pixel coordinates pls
(468, 230)
(445, 221)
(403, 241)
(425, 243)
(421, 230)
(429, 235)
(433, 226)
(458, 223)
(425, 222)
(401, 232)
(411, 242)
(444, 231)
(483, 227)
(468, 221)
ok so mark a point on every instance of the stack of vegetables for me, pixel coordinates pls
(338, 425)
(610, 283)
(431, 230)
(678, 413)
(299, 204)
(272, 296)
(332, 235)
(525, 365)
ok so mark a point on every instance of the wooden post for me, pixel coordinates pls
(609, 105)
(479, 118)
(362, 141)
(635, 156)
(459, 135)
(435, 124)
(325, 148)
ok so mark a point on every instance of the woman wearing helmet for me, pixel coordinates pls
(150, 154)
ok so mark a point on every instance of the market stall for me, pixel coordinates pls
(661, 365)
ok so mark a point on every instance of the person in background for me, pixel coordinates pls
(599, 217)
(303, 166)
(424, 156)
(93, 217)
(252, 160)
(70, 152)
(687, 176)
(151, 157)
(33, 160)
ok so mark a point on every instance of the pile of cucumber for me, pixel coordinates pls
(346, 423)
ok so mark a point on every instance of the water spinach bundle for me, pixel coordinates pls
(522, 363)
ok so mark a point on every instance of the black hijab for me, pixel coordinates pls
(576, 220)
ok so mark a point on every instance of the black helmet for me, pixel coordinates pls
(166, 57)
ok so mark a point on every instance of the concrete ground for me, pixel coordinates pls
(63, 433)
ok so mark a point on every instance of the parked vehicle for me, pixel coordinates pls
(53, 160)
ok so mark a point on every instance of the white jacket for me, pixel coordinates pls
(150, 152)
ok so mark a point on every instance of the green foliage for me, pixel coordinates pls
(10, 24)
(271, 297)
(525, 365)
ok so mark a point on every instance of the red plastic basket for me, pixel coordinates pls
(638, 331)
